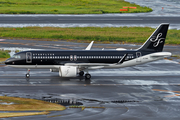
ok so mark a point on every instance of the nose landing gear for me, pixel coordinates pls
(28, 75)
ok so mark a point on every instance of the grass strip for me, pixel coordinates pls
(7, 115)
(4, 55)
(2, 60)
(68, 7)
(24, 104)
(106, 34)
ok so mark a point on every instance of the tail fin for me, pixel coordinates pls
(156, 41)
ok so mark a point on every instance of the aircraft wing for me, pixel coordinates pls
(123, 59)
(88, 65)
(95, 65)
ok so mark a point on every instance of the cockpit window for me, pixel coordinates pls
(16, 56)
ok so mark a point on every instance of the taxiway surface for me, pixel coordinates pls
(148, 91)
(85, 21)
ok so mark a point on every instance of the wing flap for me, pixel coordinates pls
(96, 65)
(87, 64)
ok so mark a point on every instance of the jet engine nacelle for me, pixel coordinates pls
(54, 70)
(67, 71)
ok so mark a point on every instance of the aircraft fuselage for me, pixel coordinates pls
(50, 57)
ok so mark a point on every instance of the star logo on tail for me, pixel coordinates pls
(157, 39)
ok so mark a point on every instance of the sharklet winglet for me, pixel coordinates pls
(122, 59)
(89, 46)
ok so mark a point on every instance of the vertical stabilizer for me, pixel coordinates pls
(156, 41)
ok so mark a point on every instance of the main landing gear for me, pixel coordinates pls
(87, 75)
(81, 73)
(28, 75)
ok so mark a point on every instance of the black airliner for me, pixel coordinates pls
(73, 63)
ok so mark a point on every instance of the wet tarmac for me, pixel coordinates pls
(164, 11)
(148, 91)
(88, 21)
(160, 7)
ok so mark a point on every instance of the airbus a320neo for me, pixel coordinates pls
(75, 62)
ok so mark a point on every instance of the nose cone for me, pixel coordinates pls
(8, 61)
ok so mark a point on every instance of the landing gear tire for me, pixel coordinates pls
(87, 76)
(81, 73)
(27, 75)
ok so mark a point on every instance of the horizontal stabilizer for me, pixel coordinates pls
(161, 54)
